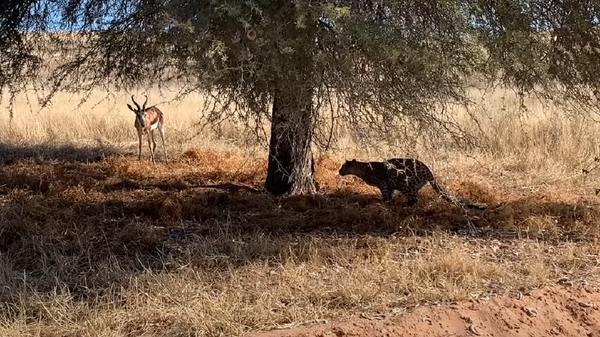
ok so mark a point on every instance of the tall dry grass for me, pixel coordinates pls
(532, 138)
(115, 247)
(102, 119)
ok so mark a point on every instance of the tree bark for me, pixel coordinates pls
(291, 166)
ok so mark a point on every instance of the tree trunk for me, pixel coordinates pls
(291, 165)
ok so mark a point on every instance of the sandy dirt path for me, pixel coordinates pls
(568, 310)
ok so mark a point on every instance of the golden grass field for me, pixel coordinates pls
(95, 243)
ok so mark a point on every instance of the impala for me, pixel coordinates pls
(146, 121)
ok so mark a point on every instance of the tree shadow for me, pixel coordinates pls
(10, 154)
(89, 228)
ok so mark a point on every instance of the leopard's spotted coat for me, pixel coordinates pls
(407, 176)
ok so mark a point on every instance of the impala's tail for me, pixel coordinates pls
(452, 199)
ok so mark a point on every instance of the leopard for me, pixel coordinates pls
(405, 175)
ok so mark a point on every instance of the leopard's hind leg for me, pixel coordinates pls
(410, 198)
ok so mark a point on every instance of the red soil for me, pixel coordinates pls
(551, 311)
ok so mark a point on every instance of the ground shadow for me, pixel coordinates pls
(10, 154)
(90, 227)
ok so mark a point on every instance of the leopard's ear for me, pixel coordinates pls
(354, 160)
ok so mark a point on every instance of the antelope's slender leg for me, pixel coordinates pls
(153, 141)
(139, 131)
(161, 130)
(150, 146)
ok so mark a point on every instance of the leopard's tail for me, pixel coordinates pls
(454, 200)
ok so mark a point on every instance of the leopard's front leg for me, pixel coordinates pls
(386, 193)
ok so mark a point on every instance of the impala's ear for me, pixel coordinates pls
(130, 108)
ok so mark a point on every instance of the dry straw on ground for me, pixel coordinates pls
(95, 243)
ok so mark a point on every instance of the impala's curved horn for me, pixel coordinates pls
(134, 102)
(146, 101)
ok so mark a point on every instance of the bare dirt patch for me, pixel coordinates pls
(551, 311)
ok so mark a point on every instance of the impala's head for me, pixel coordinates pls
(347, 168)
(140, 113)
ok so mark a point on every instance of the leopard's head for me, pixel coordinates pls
(347, 168)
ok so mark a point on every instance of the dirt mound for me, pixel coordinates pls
(552, 311)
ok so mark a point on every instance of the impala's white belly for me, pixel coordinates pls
(153, 126)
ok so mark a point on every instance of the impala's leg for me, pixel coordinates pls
(139, 131)
(153, 141)
(161, 130)
(150, 146)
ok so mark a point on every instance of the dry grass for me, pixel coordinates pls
(95, 243)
